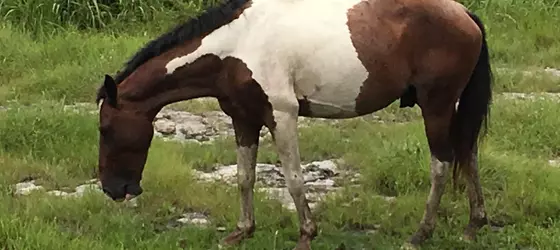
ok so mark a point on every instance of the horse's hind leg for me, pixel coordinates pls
(247, 139)
(476, 200)
(438, 111)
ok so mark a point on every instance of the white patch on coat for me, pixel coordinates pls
(294, 49)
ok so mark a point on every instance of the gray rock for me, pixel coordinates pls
(94, 181)
(164, 126)
(58, 193)
(192, 129)
(552, 71)
(87, 187)
(132, 202)
(25, 188)
(194, 219)
(319, 176)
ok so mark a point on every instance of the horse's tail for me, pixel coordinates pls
(474, 106)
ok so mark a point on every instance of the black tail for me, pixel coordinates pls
(474, 107)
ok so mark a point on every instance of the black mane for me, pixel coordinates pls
(210, 20)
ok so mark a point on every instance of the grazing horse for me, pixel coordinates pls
(267, 62)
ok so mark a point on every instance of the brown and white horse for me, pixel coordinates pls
(269, 61)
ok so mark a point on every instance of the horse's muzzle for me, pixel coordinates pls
(120, 192)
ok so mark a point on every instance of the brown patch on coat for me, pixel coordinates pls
(375, 33)
(240, 11)
(153, 72)
(241, 97)
(397, 39)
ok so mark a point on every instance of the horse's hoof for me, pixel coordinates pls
(468, 237)
(303, 244)
(408, 246)
(236, 237)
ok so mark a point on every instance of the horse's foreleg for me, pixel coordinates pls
(285, 135)
(247, 139)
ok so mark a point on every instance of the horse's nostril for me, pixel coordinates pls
(134, 190)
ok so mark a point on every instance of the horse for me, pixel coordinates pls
(268, 62)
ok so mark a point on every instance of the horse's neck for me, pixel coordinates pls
(201, 54)
(150, 89)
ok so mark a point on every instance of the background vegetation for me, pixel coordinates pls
(55, 52)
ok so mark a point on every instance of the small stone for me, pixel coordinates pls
(291, 206)
(312, 205)
(497, 228)
(132, 202)
(192, 129)
(554, 163)
(157, 134)
(553, 71)
(192, 141)
(371, 231)
(201, 138)
(322, 184)
(58, 193)
(221, 229)
(389, 199)
(218, 119)
(160, 114)
(311, 177)
(25, 188)
(194, 219)
(94, 181)
(164, 126)
(327, 166)
(80, 190)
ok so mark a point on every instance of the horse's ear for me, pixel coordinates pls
(110, 90)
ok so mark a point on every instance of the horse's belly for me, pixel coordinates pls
(330, 98)
(327, 83)
(312, 108)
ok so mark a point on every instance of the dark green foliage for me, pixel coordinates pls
(48, 16)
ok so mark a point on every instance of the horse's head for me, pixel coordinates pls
(125, 137)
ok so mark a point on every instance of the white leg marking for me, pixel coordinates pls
(246, 162)
(439, 171)
(286, 140)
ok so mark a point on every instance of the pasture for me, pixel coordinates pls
(60, 59)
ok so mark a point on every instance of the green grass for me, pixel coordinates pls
(520, 188)
(49, 59)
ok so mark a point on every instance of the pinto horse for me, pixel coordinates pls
(267, 62)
